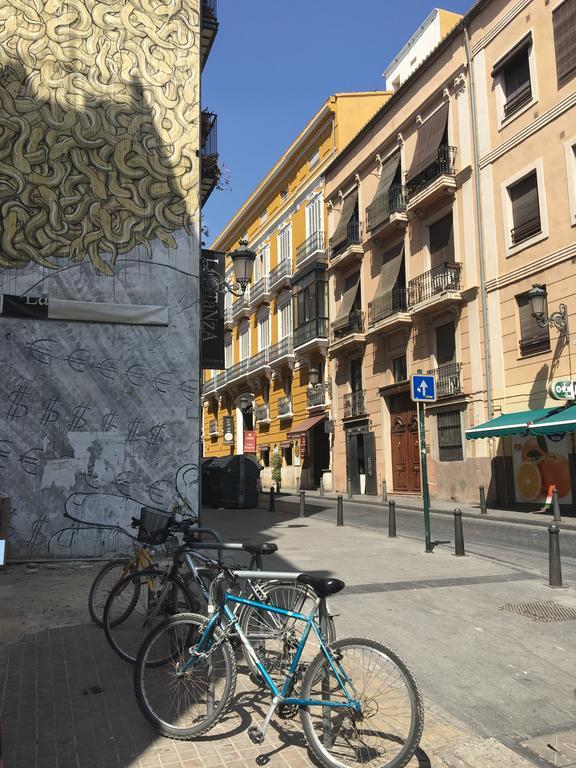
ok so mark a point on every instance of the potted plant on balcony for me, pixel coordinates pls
(277, 470)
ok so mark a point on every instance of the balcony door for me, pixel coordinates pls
(445, 344)
(356, 375)
(262, 265)
(441, 238)
(404, 444)
(285, 321)
(314, 217)
(263, 333)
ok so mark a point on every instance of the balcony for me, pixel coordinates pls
(448, 379)
(209, 168)
(260, 291)
(433, 182)
(213, 428)
(389, 313)
(312, 334)
(281, 275)
(311, 250)
(436, 288)
(282, 352)
(526, 230)
(285, 408)
(241, 306)
(318, 397)
(237, 371)
(353, 404)
(228, 321)
(262, 415)
(260, 361)
(349, 249)
(350, 335)
(209, 386)
(387, 213)
(221, 380)
(209, 28)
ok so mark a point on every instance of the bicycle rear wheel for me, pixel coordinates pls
(187, 705)
(386, 733)
(105, 581)
(126, 621)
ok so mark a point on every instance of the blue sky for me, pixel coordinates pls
(274, 63)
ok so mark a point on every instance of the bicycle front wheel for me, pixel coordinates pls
(126, 621)
(105, 581)
(184, 705)
(386, 731)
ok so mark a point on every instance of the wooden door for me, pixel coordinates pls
(353, 474)
(404, 444)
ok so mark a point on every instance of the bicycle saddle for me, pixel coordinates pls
(322, 585)
(260, 549)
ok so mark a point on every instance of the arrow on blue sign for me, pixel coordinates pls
(423, 388)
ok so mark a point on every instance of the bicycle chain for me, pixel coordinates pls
(217, 643)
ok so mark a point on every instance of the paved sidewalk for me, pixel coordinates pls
(498, 688)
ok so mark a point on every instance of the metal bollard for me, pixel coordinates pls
(384, 492)
(302, 503)
(392, 519)
(555, 507)
(349, 488)
(554, 564)
(271, 502)
(458, 534)
(340, 511)
(483, 507)
(321, 485)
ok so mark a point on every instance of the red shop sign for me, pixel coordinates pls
(304, 444)
(249, 441)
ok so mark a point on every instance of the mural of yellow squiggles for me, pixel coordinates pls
(97, 128)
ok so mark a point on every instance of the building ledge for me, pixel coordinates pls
(397, 320)
(436, 303)
(444, 186)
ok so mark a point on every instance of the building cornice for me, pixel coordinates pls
(522, 273)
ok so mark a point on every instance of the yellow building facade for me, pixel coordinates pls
(263, 403)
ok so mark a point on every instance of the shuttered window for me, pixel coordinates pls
(533, 338)
(442, 241)
(445, 343)
(525, 208)
(449, 436)
(514, 71)
(564, 23)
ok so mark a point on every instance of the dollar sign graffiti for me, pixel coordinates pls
(50, 414)
(38, 536)
(155, 438)
(78, 420)
(108, 423)
(133, 430)
(18, 409)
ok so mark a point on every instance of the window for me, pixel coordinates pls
(525, 209)
(287, 454)
(285, 245)
(445, 344)
(244, 339)
(441, 238)
(399, 368)
(533, 338)
(513, 72)
(263, 333)
(356, 375)
(263, 216)
(265, 456)
(314, 159)
(228, 355)
(570, 152)
(262, 264)
(285, 321)
(564, 22)
(314, 217)
(449, 436)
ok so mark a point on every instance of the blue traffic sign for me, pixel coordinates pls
(423, 388)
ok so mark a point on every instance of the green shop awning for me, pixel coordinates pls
(519, 423)
(557, 423)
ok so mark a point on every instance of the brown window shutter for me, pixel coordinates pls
(442, 241)
(564, 23)
(445, 343)
(525, 207)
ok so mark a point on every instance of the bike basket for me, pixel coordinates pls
(154, 524)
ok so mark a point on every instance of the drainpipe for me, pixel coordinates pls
(480, 226)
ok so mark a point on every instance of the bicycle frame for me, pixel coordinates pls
(203, 645)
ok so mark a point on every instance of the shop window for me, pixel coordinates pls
(533, 338)
(449, 436)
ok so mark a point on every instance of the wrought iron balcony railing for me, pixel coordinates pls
(448, 379)
(443, 277)
(380, 308)
(284, 406)
(259, 360)
(209, 28)
(221, 379)
(209, 145)
(242, 302)
(281, 349)
(261, 413)
(355, 324)
(213, 427)
(312, 244)
(284, 269)
(353, 237)
(209, 385)
(383, 207)
(524, 231)
(318, 395)
(228, 314)
(444, 165)
(260, 288)
(240, 369)
(313, 329)
(354, 404)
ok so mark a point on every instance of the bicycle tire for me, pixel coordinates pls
(276, 650)
(373, 738)
(103, 585)
(125, 629)
(150, 676)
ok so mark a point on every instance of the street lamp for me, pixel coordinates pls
(314, 378)
(245, 405)
(243, 264)
(537, 297)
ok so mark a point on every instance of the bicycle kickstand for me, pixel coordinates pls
(256, 734)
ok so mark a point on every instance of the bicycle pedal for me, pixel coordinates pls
(255, 735)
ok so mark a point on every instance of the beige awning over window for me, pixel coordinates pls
(392, 262)
(429, 137)
(526, 42)
(348, 208)
(343, 316)
(387, 176)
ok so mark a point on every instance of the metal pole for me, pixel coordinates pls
(384, 492)
(302, 503)
(321, 485)
(392, 519)
(424, 466)
(483, 507)
(340, 511)
(271, 502)
(555, 506)
(458, 534)
(554, 564)
(349, 488)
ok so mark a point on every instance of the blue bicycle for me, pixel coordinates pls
(358, 702)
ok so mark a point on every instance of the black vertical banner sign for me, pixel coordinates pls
(212, 311)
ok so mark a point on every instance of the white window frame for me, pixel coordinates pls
(262, 264)
(508, 219)
(570, 153)
(285, 320)
(228, 351)
(284, 249)
(243, 333)
(316, 218)
(499, 86)
(263, 332)
(263, 217)
(314, 159)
